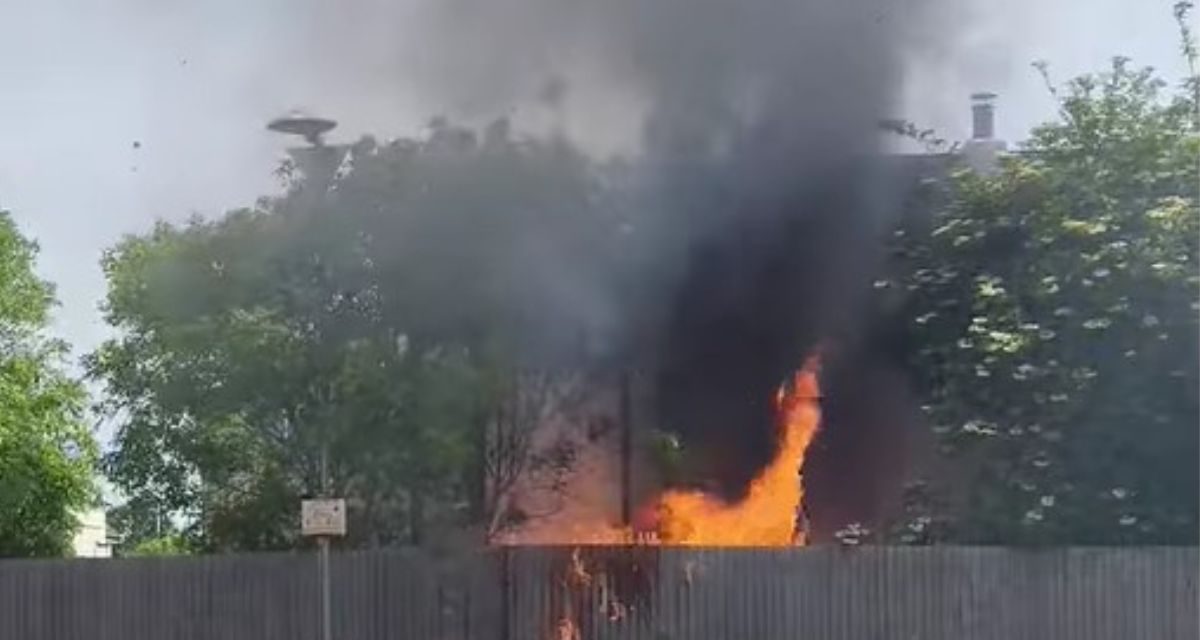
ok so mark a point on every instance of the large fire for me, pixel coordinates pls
(765, 517)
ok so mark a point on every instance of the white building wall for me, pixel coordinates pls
(91, 540)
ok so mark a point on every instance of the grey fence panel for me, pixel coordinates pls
(405, 594)
(643, 593)
(262, 597)
(865, 593)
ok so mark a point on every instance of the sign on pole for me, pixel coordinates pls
(323, 517)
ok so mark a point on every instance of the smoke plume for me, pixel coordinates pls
(758, 207)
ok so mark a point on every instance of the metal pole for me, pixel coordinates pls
(326, 622)
(323, 541)
(625, 412)
(324, 471)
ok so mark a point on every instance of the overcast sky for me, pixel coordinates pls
(193, 84)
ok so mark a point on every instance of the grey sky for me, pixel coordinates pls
(193, 84)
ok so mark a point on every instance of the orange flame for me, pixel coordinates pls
(766, 516)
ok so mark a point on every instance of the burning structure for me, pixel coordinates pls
(718, 361)
(754, 204)
(769, 514)
(751, 489)
(760, 156)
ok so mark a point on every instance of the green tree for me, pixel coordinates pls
(234, 371)
(172, 545)
(140, 520)
(371, 318)
(1053, 317)
(47, 454)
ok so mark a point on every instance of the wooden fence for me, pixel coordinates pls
(870, 593)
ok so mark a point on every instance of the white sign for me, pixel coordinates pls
(323, 517)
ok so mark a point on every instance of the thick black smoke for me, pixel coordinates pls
(758, 205)
(762, 141)
(755, 299)
(759, 209)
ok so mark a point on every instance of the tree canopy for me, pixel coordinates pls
(1052, 310)
(47, 453)
(378, 317)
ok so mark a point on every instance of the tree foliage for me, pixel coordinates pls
(1053, 326)
(47, 453)
(172, 545)
(138, 520)
(377, 316)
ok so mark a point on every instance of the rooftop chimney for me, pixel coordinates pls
(982, 152)
(983, 115)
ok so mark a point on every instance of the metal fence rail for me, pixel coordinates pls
(617, 594)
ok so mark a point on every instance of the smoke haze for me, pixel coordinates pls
(759, 209)
(753, 123)
(749, 120)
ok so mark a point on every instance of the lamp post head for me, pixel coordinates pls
(310, 128)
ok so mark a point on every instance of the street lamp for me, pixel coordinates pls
(297, 123)
(317, 161)
(324, 517)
